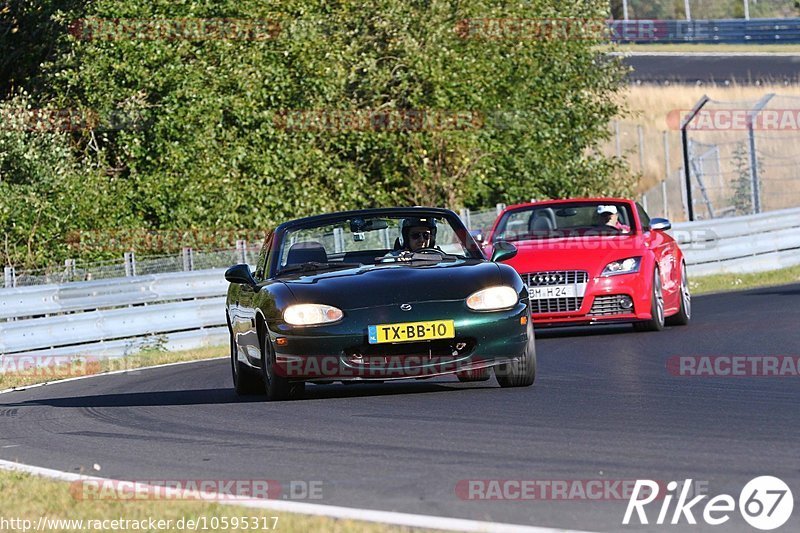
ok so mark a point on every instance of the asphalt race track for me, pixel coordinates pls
(604, 407)
(742, 69)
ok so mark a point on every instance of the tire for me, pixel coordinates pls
(684, 314)
(521, 372)
(245, 381)
(468, 376)
(277, 387)
(656, 323)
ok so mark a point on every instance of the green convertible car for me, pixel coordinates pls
(377, 294)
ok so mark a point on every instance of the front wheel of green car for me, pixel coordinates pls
(278, 387)
(468, 376)
(520, 372)
(245, 381)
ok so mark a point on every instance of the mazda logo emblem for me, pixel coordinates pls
(405, 307)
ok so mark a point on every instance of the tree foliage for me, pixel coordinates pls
(193, 132)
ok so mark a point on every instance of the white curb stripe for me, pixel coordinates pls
(331, 511)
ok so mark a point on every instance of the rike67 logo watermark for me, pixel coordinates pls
(765, 503)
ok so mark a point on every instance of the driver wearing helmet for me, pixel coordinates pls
(417, 233)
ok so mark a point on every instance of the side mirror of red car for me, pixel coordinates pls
(660, 224)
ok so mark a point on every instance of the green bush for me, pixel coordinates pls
(193, 132)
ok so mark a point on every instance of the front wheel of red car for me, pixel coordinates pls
(278, 387)
(656, 323)
(684, 314)
(520, 372)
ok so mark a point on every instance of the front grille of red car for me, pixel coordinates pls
(556, 277)
(607, 305)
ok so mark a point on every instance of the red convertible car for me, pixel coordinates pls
(596, 260)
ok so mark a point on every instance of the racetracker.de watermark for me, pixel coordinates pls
(533, 29)
(162, 240)
(70, 120)
(734, 366)
(548, 489)
(196, 489)
(60, 366)
(736, 119)
(184, 29)
(335, 367)
(391, 120)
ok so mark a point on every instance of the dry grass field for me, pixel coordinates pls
(657, 111)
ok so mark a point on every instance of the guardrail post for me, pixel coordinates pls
(500, 208)
(685, 142)
(241, 249)
(9, 277)
(130, 264)
(69, 269)
(464, 214)
(188, 258)
(756, 188)
(640, 135)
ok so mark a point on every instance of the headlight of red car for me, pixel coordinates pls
(622, 266)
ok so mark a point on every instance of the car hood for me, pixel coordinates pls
(371, 286)
(577, 253)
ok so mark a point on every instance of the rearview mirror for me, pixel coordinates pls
(240, 274)
(477, 235)
(503, 251)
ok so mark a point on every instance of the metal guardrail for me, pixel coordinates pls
(729, 31)
(746, 244)
(115, 317)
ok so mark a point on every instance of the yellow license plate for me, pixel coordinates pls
(412, 331)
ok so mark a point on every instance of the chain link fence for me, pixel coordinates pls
(187, 260)
(744, 158)
(703, 9)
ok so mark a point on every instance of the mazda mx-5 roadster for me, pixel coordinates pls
(376, 295)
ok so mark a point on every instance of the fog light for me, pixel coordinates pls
(625, 302)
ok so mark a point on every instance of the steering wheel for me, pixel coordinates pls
(428, 250)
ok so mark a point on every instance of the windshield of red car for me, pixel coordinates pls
(559, 221)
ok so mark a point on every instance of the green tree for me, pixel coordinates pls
(193, 131)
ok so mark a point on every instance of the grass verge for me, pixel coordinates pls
(24, 371)
(28, 499)
(736, 282)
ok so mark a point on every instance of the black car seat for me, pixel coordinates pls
(542, 220)
(306, 251)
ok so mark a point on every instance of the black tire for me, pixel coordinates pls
(468, 376)
(520, 372)
(277, 387)
(246, 382)
(684, 314)
(656, 323)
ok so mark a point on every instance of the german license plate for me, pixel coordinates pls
(412, 331)
(553, 291)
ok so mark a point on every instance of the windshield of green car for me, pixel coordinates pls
(370, 241)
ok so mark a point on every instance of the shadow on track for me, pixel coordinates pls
(227, 396)
(145, 399)
(355, 390)
(584, 331)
